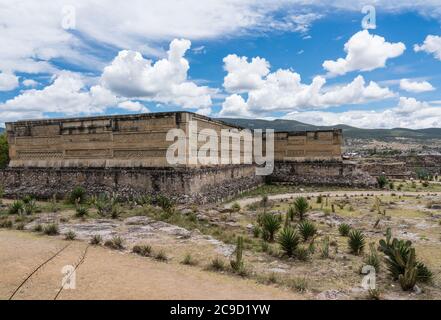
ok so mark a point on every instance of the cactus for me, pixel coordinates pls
(397, 256)
(237, 264)
(409, 277)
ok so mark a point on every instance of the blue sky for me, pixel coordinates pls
(60, 60)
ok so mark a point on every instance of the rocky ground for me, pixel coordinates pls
(207, 233)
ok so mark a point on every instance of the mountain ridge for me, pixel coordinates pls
(348, 131)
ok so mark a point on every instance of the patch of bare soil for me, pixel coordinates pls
(106, 274)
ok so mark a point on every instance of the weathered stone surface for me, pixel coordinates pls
(321, 173)
(185, 185)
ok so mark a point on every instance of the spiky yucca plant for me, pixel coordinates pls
(307, 229)
(271, 224)
(344, 229)
(301, 206)
(17, 207)
(288, 240)
(356, 242)
(81, 211)
(78, 194)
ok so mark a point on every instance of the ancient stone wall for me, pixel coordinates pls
(322, 173)
(107, 141)
(195, 185)
(308, 145)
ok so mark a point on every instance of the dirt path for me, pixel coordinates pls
(247, 201)
(106, 274)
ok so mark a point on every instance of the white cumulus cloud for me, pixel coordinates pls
(283, 90)
(432, 45)
(8, 81)
(165, 81)
(134, 106)
(409, 113)
(365, 52)
(416, 86)
(67, 94)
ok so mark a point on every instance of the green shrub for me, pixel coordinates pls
(188, 260)
(270, 224)
(30, 206)
(161, 256)
(217, 264)
(164, 203)
(81, 211)
(51, 229)
(7, 224)
(70, 236)
(301, 207)
(142, 250)
(20, 226)
(301, 253)
(344, 229)
(307, 229)
(288, 240)
(17, 207)
(257, 230)
(382, 181)
(324, 250)
(356, 242)
(116, 243)
(116, 211)
(235, 207)
(298, 284)
(38, 228)
(77, 195)
(96, 240)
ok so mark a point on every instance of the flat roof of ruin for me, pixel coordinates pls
(149, 115)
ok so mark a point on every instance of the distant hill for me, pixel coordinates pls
(2, 129)
(348, 131)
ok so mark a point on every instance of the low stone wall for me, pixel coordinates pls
(184, 185)
(403, 166)
(325, 173)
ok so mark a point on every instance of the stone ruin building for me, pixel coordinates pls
(126, 154)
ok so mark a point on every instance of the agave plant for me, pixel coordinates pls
(81, 211)
(288, 240)
(307, 229)
(344, 229)
(356, 242)
(271, 224)
(373, 259)
(397, 253)
(78, 194)
(301, 206)
(17, 207)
